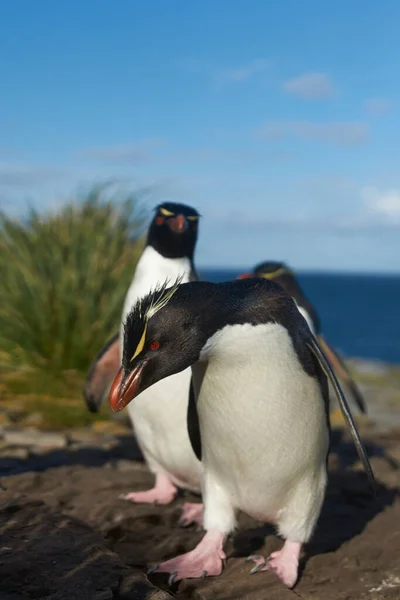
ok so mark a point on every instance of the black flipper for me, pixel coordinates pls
(343, 373)
(193, 422)
(101, 374)
(344, 407)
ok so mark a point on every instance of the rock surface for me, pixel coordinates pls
(66, 535)
(34, 438)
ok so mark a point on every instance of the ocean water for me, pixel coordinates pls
(360, 314)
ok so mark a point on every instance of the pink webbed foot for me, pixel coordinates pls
(284, 563)
(205, 560)
(163, 492)
(191, 513)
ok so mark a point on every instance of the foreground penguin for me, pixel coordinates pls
(281, 274)
(159, 415)
(259, 422)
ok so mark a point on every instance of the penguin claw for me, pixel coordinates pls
(258, 567)
(261, 563)
(192, 514)
(152, 570)
(186, 523)
(254, 557)
(172, 578)
(203, 561)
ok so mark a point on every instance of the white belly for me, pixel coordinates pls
(262, 420)
(159, 414)
(158, 417)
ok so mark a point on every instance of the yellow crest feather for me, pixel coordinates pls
(160, 298)
(166, 213)
(280, 271)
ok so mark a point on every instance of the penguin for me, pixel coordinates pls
(259, 422)
(159, 416)
(281, 274)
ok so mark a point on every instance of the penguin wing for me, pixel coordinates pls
(343, 373)
(101, 374)
(193, 422)
(323, 361)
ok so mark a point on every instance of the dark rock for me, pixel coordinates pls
(136, 586)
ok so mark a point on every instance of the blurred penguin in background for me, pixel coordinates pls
(284, 276)
(159, 416)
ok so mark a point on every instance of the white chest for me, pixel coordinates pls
(152, 270)
(159, 413)
(262, 417)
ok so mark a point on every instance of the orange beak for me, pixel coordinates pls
(178, 224)
(124, 390)
(245, 276)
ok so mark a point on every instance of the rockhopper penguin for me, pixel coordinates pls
(159, 415)
(259, 421)
(284, 276)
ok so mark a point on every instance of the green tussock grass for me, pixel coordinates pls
(61, 413)
(63, 278)
(57, 398)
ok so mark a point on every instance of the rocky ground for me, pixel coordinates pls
(65, 534)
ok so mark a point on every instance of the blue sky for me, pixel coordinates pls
(279, 121)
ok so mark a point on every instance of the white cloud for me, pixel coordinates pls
(227, 75)
(378, 106)
(310, 86)
(123, 154)
(343, 224)
(384, 204)
(341, 133)
(243, 72)
(25, 175)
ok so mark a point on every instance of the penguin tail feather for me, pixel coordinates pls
(344, 407)
(343, 373)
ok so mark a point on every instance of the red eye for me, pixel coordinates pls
(154, 345)
(159, 220)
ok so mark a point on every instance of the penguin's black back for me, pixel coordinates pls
(253, 301)
(290, 284)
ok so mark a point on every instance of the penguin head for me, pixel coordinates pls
(157, 343)
(267, 270)
(173, 230)
(271, 270)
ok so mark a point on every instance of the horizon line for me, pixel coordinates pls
(310, 271)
